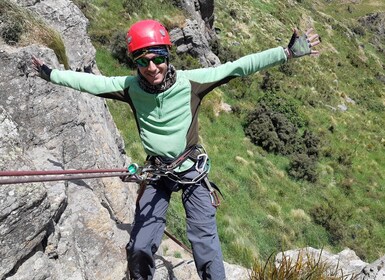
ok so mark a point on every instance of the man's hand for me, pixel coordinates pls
(43, 70)
(302, 45)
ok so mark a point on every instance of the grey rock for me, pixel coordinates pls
(77, 228)
(374, 271)
(198, 33)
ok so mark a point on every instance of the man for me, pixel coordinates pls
(165, 103)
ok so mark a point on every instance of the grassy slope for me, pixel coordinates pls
(264, 210)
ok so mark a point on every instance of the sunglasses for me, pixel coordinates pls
(144, 62)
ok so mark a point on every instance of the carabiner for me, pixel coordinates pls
(201, 164)
(215, 201)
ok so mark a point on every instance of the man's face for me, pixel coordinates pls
(153, 68)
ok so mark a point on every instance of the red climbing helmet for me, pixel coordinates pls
(147, 33)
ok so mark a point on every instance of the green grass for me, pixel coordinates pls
(22, 27)
(264, 210)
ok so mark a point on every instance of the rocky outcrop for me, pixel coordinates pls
(375, 22)
(198, 33)
(62, 230)
(344, 265)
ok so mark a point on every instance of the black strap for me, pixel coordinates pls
(170, 164)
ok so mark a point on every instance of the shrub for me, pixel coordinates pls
(119, 50)
(132, 6)
(359, 30)
(275, 133)
(286, 105)
(239, 88)
(303, 167)
(224, 54)
(16, 21)
(103, 37)
(11, 31)
(267, 129)
(87, 8)
(311, 142)
(183, 60)
(305, 266)
(272, 131)
(270, 83)
(287, 69)
(327, 217)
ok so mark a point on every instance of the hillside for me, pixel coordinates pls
(299, 157)
(338, 97)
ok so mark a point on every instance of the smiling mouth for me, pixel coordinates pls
(154, 75)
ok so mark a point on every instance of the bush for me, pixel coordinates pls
(270, 130)
(87, 8)
(132, 6)
(286, 105)
(287, 69)
(304, 266)
(311, 143)
(183, 60)
(303, 167)
(270, 83)
(119, 50)
(224, 54)
(11, 32)
(13, 22)
(240, 88)
(327, 217)
(359, 30)
(275, 133)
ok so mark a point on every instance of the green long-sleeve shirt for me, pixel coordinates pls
(167, 122)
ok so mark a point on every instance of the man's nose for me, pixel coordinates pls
(151, 65)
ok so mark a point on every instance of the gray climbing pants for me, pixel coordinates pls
(149, 226)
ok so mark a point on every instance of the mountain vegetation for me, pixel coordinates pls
(300, 158)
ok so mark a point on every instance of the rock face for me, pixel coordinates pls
(62, 230)
(196, 35)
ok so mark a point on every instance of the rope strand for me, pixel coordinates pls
(57, 172)
(63, 177)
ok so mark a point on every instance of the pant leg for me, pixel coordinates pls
(147, 232)
(202, 232)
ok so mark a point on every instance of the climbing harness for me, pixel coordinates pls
(201, 163)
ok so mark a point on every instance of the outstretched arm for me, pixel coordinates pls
(86, 82)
